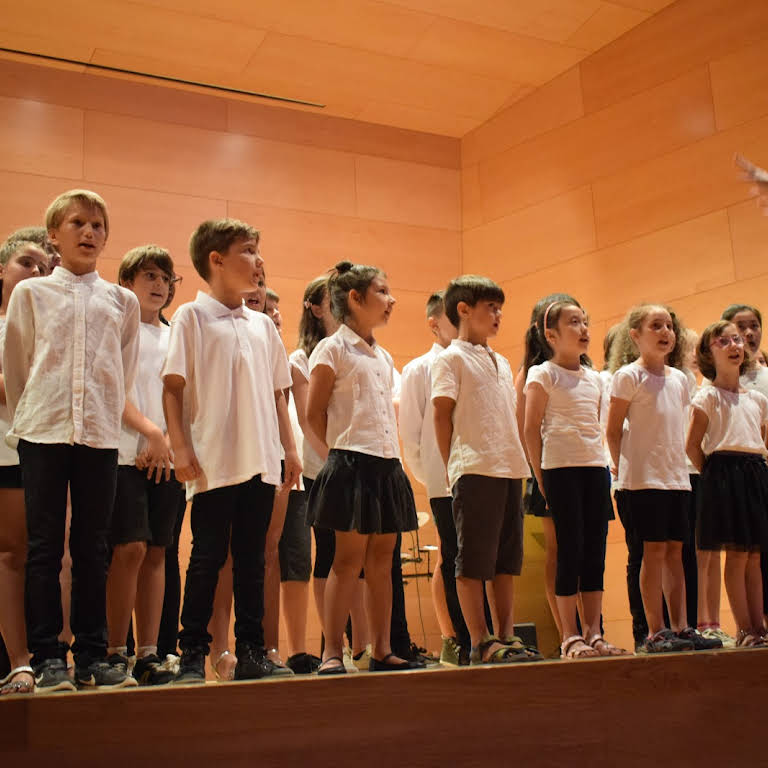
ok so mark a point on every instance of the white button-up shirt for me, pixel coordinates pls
(361, 415)
(232, 362)
(485, 439)
(71, 353)
(417, 426)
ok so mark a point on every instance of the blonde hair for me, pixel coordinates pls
(624, 350)
(59, 207)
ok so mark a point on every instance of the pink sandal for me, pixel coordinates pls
(604, 648)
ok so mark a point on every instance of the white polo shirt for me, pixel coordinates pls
(232, 361)
(361, 414)
(417, 426)
(653, 444)
(735, 420)
(310, 461)
(71, 353)
(485, 439)
(570, 430)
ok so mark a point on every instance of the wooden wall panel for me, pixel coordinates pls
(740, 85)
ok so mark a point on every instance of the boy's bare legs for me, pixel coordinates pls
(378, 590)
(673, 584)
(550, 569)
(121, 591)
(222, 661)
(471, 599)
(654, 555)
(754, 587)
(736, 587)
(13, 555)
(361, 637)
(501, 591)
(150, 589)
(272, 576)
(703, 564)
(438, 600)
(295, 603)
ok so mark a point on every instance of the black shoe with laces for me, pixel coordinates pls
(148, 670)
(52, 676)
(303, 663)
(191, 667)
(700, 643)
(109, 674)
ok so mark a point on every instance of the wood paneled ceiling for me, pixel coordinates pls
(440, 66)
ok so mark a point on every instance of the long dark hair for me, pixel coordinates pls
(312, 328)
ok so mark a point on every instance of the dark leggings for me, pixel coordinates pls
(578, 498)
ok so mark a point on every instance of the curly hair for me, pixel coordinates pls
(624, 350)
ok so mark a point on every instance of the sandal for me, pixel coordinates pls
(604, 648)
(228, 674)
(505, 654)
(336, 669)
(575, 647)
(515, 642)
(749, 639)
(11, 686)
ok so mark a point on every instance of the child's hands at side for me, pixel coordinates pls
(157, 456)
(292, 471)
(186, 465)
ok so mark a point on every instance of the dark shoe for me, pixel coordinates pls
(303, 663)
(253, 664)
(700, 643)
(52, 676)
(666, 641)
(397, 666)
(148, 670)
(105, 675)
(421, 656)
(191, 667)
(332, 669)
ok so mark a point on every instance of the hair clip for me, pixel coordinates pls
(307, 303)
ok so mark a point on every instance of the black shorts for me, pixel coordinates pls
(295, 546)
(145, 510)
(488, 513)
(658, 515)
(10, 476)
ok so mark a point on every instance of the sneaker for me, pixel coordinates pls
(700, 643)
(131, 663)
(666, 641)
(349, 661)
(149, 671)
(52, 676)
(109, 674)
(715, 633)
(171, 663)
(362, 661)
(253, 664)
(420, 657)
(191, 667)
(450, 652)
(303, 663)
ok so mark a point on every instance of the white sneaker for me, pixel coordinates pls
(716, 633)
(172, 663)
(349, 662)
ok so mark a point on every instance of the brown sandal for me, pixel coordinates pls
(604, 648)
(575, 647)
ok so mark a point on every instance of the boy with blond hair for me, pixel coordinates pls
(226, 414)
(71, 353)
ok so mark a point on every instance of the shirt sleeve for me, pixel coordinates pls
(624, 385)
(763, 401)
(445, 381)
(281, 371)
(324, 354)
(703, 400)
(179, 360)
(19, 346)
(684, 385)
(413, 403)
(299, 363)
(540, 375)
(130, 342)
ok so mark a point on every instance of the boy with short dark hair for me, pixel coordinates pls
(226, 414)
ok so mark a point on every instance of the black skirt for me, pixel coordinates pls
(732, 503)
(358, 492)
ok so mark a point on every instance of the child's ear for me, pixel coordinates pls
(356, 296)
(432, 323)
(53, 239)
(462, 308)
(215, 259)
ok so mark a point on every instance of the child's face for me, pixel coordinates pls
(273, 311)
(29, 261)
(760, 358)
(79, 238)
(656, 336)
(728, 349)
(239, 267)
(376, 306)
(750, 329)
(571, 336)
(152, 287)
(481, 321)
(445, 331)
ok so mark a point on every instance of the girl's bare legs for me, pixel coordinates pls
(295, 603)
(149, 597)
(339, 592)
(361, 637)
(736, 587)
(378, 587)
(272, 576)
(754, 587)
(438, 600)
(703, 564)
(673, 581)
(654, 555)
(13, 555)
(550, 570)
(121, 590)
(223, 662)
(318, 592)
(591, 608)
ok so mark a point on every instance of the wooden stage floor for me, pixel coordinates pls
(706, 708)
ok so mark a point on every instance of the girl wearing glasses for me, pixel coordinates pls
(725, 442)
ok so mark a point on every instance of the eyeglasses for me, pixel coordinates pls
(725, 341)
(151, 276)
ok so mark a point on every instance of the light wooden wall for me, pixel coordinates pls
(615, 183)
(320, 190)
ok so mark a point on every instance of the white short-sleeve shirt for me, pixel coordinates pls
(485, 438)
(232, 362)
(756, 378)
(570, 430)
(417, 426)
(735, 420)
(147, 391)
(310, 461)
(653, 445)
(8, 455)
(361, 414)
(71, 354)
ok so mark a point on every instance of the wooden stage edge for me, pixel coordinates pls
(682, 710)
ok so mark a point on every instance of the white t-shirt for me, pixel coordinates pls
(147, 391)
(570, 430)
(8, 455)
(232, 362)
(756, 378)
(361, 414)
(735, 420)
(71, 353)
(653, 446)
(417, 427)
(693, 388)
(485, 439)
(310, 461)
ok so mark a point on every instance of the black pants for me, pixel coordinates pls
(90, 474)
(399, 637)
(243, 512)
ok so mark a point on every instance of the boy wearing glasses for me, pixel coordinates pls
(149, 499)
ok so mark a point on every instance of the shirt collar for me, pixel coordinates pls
(63, 275)
(469, 345)
(348, 335)
(216, 308)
